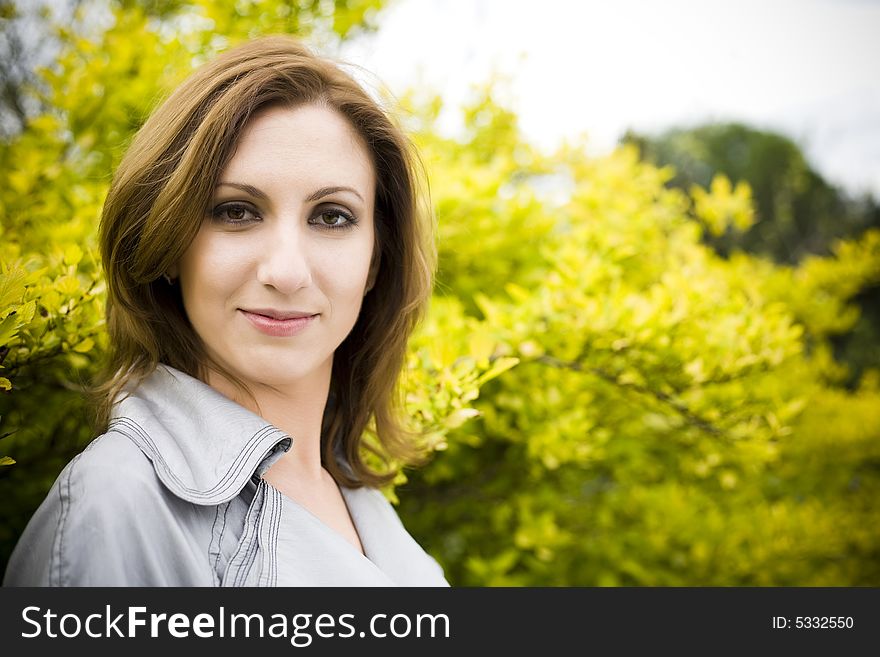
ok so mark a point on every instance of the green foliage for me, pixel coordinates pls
(609, 401)
(726, 208)
(673, 417)
(797, 211)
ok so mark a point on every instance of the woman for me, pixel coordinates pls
(266, 262)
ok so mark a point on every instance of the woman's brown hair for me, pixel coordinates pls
(159, 197)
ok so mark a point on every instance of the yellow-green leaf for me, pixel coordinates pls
(72, 254)
(12, 287)
(481, 346)
(67, 285)
(9, 328)
(27, 311)
(498, 367)
(459, 417)
(85, 346)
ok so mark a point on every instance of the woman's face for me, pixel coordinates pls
(275, 278)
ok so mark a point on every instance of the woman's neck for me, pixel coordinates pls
(297, 408)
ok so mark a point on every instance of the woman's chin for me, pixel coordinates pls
(283, 373)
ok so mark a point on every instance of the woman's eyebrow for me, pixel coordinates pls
(314, 196)
(326, 191)
(248, 189)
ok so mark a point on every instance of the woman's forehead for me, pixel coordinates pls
(302, 142)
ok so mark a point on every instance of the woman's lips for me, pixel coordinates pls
(279, 328)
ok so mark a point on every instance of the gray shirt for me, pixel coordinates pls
(173, 495)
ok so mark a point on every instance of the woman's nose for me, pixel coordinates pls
(284, 262)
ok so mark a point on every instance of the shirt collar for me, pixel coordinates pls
(203, 446)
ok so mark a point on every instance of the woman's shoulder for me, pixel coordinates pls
(108, 484)
(89, 518)
(109, 472)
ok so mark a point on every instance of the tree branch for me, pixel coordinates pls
(689, 416)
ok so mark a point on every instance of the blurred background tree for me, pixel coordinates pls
(616, 390)
(798, 212)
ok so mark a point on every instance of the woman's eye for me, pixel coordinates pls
(234, 213)
(333, 219)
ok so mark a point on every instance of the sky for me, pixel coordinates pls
(809, 69)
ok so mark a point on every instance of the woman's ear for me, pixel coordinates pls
(172, 273)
